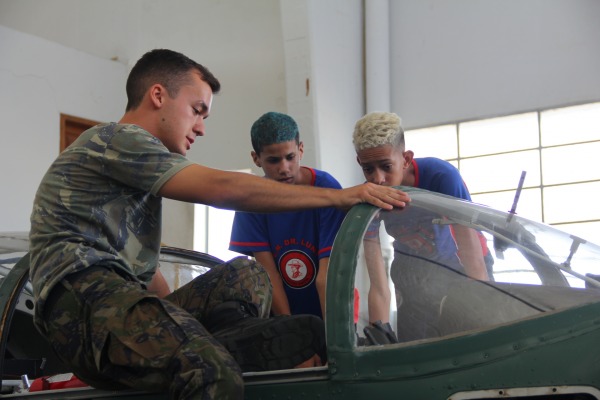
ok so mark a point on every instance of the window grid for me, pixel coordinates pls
(539, 183)
(540, 137)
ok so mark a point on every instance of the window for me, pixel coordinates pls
(212, 230)
(558, 149)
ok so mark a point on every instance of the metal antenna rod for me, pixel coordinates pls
(513, 209)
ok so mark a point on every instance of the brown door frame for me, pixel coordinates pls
(71, 127)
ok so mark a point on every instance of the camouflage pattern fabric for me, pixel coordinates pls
(97, 203)
(114, 334)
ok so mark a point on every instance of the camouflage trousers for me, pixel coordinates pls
(114, 334)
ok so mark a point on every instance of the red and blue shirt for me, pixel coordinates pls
(297, 240)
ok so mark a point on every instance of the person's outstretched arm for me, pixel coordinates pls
(379, 295)
(280, 305)
(158, 285)
(245, 192)
(470, 252)
(321, 283)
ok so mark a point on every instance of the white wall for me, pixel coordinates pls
(466, 59)
(450, 61)
(240, 42)
(338, 76)
(323, 46)
(39, 80)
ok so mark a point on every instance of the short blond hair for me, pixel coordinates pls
(378, 129)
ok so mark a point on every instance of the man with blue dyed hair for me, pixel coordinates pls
(273, 127)
(293, 247)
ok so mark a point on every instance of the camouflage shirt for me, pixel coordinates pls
(98, 203)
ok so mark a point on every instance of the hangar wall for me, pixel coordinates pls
(40, 79)
(467, 59)
(240, 42)
(450, 61)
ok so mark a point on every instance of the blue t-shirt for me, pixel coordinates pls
(297, 240)
(439, 176)
(414, 235)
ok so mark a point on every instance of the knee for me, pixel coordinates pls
(244, 263)
(246, 267)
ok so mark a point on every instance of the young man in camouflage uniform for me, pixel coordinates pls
(95, 237)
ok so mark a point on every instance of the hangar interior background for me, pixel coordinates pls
(496, 87)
